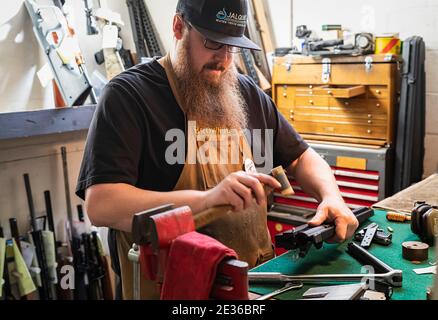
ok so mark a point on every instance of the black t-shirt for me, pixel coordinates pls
(126, 140)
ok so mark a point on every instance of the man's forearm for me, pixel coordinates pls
(315, 176)
(114, 205)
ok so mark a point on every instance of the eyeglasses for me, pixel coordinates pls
(213, 45)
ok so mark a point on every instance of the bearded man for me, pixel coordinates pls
(126, 168)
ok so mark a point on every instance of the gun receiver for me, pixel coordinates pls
(303, 237)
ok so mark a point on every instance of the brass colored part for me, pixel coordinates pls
(396, 216)
(280, 174)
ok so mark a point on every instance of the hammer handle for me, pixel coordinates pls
(210, 215)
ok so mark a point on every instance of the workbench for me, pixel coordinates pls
(332, 258)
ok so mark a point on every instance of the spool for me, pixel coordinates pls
(415, 251)
(279, 174)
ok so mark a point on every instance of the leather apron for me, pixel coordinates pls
(245, 231)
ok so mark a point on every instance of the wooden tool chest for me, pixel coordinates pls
(339, 99)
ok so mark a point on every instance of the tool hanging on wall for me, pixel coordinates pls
(115, 57)
(147, 42)
(61, 47)
(91, 20)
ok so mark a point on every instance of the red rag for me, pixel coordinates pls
(191, 267)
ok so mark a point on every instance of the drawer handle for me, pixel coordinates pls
(329, 92)
(370, 122)
(311, 101)
(310, 87)
(378, 105)
(378, 91)
(370, 116)
(369, 131)
(347, 103)
(285, 95)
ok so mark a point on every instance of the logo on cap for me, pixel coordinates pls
(231, 18)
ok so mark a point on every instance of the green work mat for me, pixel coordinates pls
(334, 259)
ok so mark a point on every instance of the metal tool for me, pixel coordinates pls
(380, 237)
(391, 277)
(289, 286)
(373, 295)
(303, 237)
(341, 292)
(368, 259)
(302, 32)
(369, 235)
(428, 270)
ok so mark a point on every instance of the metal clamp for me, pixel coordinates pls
(368, 63)
(134, 256)
(326, 70)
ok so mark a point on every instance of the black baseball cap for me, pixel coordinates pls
(223, 21)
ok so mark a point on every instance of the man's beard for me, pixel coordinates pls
(212, 104)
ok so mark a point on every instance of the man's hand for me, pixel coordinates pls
(239, 188)
(335, 210)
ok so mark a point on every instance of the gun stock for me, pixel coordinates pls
(6, 292)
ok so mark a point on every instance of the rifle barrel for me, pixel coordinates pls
(30, 201)
(66, 185)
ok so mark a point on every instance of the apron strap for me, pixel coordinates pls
(166, 62)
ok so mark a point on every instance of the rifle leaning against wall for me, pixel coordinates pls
(61, 293)
(147, 42)
(6, 287)
(91, 20)
(45, 290)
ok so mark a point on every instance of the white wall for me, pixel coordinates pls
(281, 13)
